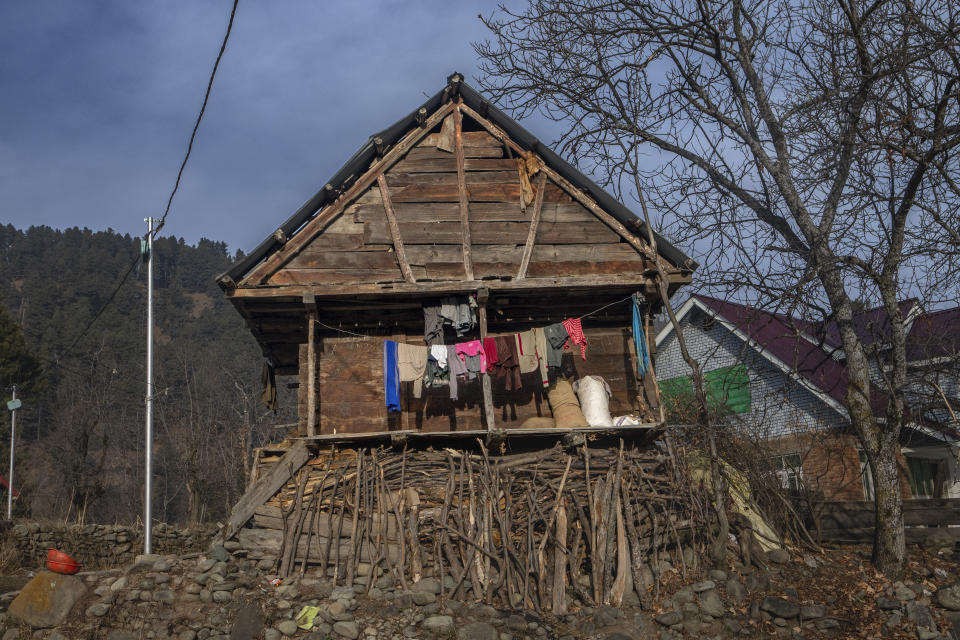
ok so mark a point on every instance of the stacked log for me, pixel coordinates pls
(515, 530)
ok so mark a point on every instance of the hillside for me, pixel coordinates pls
(80, 437)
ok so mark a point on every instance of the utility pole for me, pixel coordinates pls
(13, 405)
(148, 475)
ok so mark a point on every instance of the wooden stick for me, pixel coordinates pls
(394, 229)
(559, 591)
(534, 222)
(354, 538)
(462, 195)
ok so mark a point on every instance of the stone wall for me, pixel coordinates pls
(98, 546)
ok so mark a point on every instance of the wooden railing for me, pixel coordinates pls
(852, 521)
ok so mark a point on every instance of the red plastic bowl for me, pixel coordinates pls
(59, 562)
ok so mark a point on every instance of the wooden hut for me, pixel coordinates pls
(456, 200)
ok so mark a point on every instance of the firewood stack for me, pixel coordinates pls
(520, 530)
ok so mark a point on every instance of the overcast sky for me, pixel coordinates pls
(98, 100)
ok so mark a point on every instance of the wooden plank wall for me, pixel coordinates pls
(357, 247)
(350, 384)
(852, 521)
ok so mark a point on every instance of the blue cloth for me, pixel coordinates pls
(391, 375)
(640, 340)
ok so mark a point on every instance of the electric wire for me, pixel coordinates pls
(196, 126)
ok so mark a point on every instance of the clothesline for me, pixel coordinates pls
(369, 337)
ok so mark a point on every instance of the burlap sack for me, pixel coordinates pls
(537, 422)
(565, 406)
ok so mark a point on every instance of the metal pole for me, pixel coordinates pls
(13, 431)
(148, 475)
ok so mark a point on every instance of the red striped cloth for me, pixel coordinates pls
(573, 328)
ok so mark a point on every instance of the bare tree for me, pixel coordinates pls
(806, 151)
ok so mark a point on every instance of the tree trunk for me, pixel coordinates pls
(889, 542)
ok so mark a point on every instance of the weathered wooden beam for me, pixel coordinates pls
(483, 296)
(265, 269)
(264, 489)
(628, 281)
(394, 229)
(534, 222)
(462, 194)
(310, 302)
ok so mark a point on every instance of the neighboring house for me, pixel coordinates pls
(782, 380)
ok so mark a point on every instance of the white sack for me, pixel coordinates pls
(594, 395)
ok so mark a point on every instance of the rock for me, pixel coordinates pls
(438, 623)
(683, 596)
(894, 620)
(812, 611)
(903, 593)
(271, 634)
(46, 600)
(887, 604)
(779, 607)
(118, 584)
(736, 590)
(618, 635)
(145, 561)
(669, 618)
(778, 556)
(222, 596)
(346, 629)
(219, 553)
(421, 598)
(711, 604)
(920, 615)
(98, 610)
(948, 596)
(825, 624)
(926, 634)
(161, 565)
(706, 585)
(606, 616)
(430, 585)
(286, 627)
(248, 625)
(717, 575)
(118, 634)
(477, 631)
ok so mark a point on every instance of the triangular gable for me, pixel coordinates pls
(378, 159)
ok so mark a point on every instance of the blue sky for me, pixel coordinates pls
(98, 100)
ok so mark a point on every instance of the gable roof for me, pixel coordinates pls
(378, 142)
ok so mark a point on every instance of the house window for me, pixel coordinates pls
(926, 477)
(866, 477)
(728, 392)
(789, 470)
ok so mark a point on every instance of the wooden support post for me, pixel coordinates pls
(462, 191)
(394, 230)
(534, 222)
(483, 295)
(310, 303)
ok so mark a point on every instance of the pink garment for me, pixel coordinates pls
(573, 328)
(472, 348)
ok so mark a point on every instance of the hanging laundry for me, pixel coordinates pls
(432, 325)
(557, 337)
(507, 366)
(640, 339)
(573, 328)
(472, 348)
(540, 340)
(527, 351)
(490, 352)
(458, 311)
(269, 381)
(391, 375)
(439, 353)
(457, 368)
(412, 365)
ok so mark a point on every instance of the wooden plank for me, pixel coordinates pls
(534, 222)
(470, 139)
(445, 140)
(311, 366)
(303, 237)
(478, 192)
(383, 260)
(498, 233)
(394, 229)
(400, 179)
(479, 212)
(291, 276)
(465, 242)
(483, 297)
(432, 153)
(448, 163)
(295, 457)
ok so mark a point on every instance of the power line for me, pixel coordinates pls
(203, 108)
